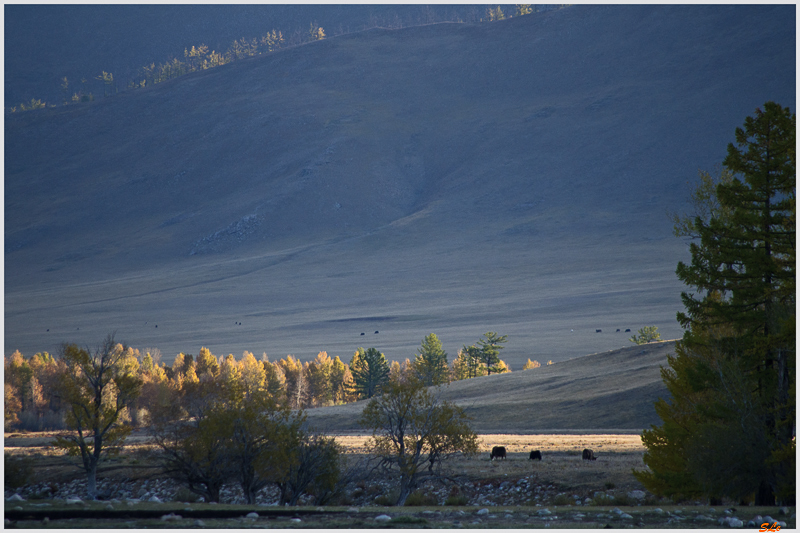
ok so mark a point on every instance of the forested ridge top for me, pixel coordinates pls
(453, 178)
(123, 41)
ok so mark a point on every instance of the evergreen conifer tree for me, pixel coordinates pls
(370, 372)
(736, 363)
(490, 347)
(430, 363)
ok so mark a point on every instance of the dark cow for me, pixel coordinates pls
(499, 452)
(617, 330)
(588, 455)
(627, 331)
(598, 331)
(376, 332)
(536, 454)
(362, 333)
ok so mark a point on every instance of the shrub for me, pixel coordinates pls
(18, 470)
(603, 499)
(646, 334)
(419, 498)
(456, 497)
(531, 364)
(388, 500)
(563, 499)
(456, 500)
(185, 495)
(607, 499)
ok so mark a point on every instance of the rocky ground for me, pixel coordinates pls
(515, 502)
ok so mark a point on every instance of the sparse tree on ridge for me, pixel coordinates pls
(316, 33)
(645, 335)
(468, 364)
(108, 82)
(490, 347)
(524, 9)
(495, 14)
(65, 89)
(531, 364)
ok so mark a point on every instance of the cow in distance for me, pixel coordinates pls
(499, 452)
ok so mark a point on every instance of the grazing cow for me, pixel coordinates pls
(598, 330)
(376, 332)
(536, 454)
(617, 330)
(362, 333)
(499, 452)
(588, 455)
(627, 331)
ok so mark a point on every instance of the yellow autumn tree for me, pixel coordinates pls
(96, 388)
(531, 364)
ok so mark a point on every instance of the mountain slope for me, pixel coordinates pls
(451, 178)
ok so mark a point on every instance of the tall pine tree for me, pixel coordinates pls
(430, 363)
(732, 382)
(370, 372)
(490, 347)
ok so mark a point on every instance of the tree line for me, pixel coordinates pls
(200, 57)
(33, 400)
(221, 421)
(230, 428)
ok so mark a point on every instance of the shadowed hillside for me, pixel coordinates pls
(450, 178)
(607, 391)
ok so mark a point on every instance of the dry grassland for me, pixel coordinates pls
(561, 465)
(523, 444)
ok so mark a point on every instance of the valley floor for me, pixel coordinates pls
(561, 490)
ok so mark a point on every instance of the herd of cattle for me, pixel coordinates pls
(499, 452)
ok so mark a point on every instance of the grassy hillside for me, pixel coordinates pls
(449, 178)
(609, 391)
